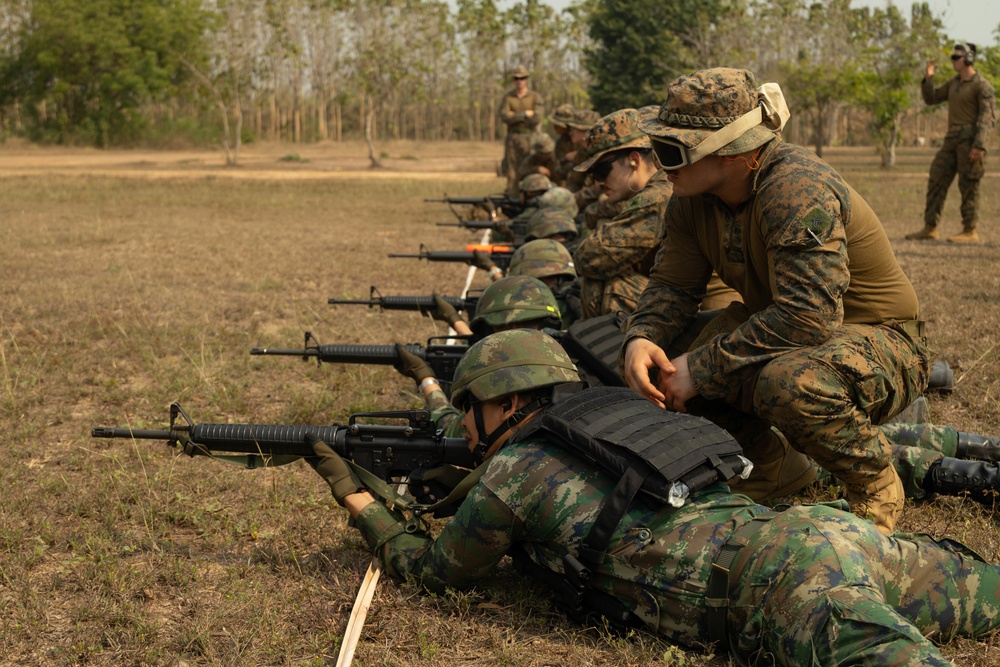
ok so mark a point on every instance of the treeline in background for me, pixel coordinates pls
(196, 72)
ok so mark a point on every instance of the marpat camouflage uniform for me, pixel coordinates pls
(971, 115)
(616, 259)
(832, 348)
(520, 128)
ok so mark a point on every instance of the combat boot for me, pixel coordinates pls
(977, 447)
(968, 236)
(954, 477)
(778, 470)
(880, 500)
(928, 233)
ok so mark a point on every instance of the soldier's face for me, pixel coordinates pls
(493, 415)
(521, 86)
(956, 60)
(705, 175)
(578, 136)
(615, 185)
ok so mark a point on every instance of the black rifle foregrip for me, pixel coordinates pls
(265, 439)
(366, 354)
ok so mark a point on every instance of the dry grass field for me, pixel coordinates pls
(128, 281)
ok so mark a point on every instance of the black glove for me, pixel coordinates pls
(427, 486)
(411, 365)
(444, 311)
(482, 260)
(342, 480)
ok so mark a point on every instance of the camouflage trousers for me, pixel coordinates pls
(828, 401)
(599, 297)
(952, 158)
(915, 448)
(516, 147)
(816, 586)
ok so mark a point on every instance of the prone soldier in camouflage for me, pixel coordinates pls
(971, 115)
(552, 263)
(522, 111)
(552, 223)
(559, 197)
(512, 302)
(530, 189)
(810, 585)
(541, 160)
(831, 345)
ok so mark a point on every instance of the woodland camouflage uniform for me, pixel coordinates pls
(542, 155)
(971, 115)
(520, 128)
(809, 585)
(831, 346)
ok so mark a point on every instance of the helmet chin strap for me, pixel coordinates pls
(487, 445)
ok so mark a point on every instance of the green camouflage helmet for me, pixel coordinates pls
(542, 258)
(512, 300)
(559, 197)
(548, 222)
(535, 183)
(542, 143)
(511, 362)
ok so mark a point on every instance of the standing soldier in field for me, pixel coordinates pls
(971, 115)
(828, 344)
(522, 111)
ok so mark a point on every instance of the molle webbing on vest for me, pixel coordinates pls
(617, 429)
(596, 342)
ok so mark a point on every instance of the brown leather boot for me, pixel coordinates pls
(778, 470)
(880, 500)
(968, 236)
(928, 233)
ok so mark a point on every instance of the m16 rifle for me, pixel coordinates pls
(388, 451)
(423, 304)
(441, 357)
(491, 204)
(517, 230)
(500, 254)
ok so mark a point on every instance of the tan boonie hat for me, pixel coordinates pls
(614, 132)
(584, 119)
(520, 72)
(542, 143)
(700, 104)
(535, 183)
(562, 115)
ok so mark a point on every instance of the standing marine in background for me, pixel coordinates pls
(971, 115)
(522, 111)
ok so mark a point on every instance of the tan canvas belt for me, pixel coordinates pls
(912, 328)
(717, 591)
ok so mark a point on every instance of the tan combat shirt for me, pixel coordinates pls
(512, 110)
(970, 102)
(805, 251)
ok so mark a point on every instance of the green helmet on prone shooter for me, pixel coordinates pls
(515, 302)
(509, 362)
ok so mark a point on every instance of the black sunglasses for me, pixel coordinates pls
(602, 170)
(957, 56)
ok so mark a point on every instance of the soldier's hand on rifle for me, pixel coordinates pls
(444, 311)
(502, 226)
(411, 365)
(427, 486)
(482, 260)
(342, 480)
